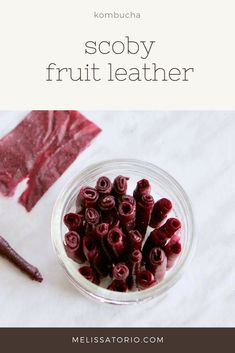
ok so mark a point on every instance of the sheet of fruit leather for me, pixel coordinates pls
(198, 150)
(40, 148)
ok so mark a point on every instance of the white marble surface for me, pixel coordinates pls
(198, 149)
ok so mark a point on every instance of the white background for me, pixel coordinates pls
(198, 149)
(197, 34)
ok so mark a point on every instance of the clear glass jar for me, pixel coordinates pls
(163, 185)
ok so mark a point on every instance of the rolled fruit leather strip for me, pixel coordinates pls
(172, 250)
(87, 197)
(144, 208)
(92, 218)
(102, 230)
(120, 272)
(171, 226)
(157, 238)
(73, 247)
(89, 274)
(118, 286)
(104, 185)
(145, 279)
(127, 213)
(115, 240)
(143, 187)
(73, 221)
(120, 185)
(156, 263)
(134, 240)
(50, 165)
(106, 203)
(134, 264)
(160, 211)
(9, 253)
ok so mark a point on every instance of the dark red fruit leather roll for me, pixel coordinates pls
(134, 264)
(118, 286)
(143, 187)
(73, 221)
(92, 216)
(128, 198)
(102, 230)
(111, 218)
(171, 226)
(115, 240)
(41, 148)
(144, 208)
(87, 197)
(145, 279)
(157, 238)
(73, 247)
(134, 239)
(106, 203)
(156, 263)
(89, 274)
(172, 250)
(120, 272)
(160, 211)
(127, 213)
(120, 185)
(104, 185)
(100, 263)
(90, 248)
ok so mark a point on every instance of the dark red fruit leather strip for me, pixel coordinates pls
(42, 147)
(50, 165)
(20, 147)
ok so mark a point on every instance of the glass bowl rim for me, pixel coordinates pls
(102, 294)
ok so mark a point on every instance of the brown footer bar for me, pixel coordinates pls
(119, 340)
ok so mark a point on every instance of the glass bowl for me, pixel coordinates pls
(163, 185)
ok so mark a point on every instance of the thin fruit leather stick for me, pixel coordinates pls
(52, 164)
(40, 134)
(9, 253)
